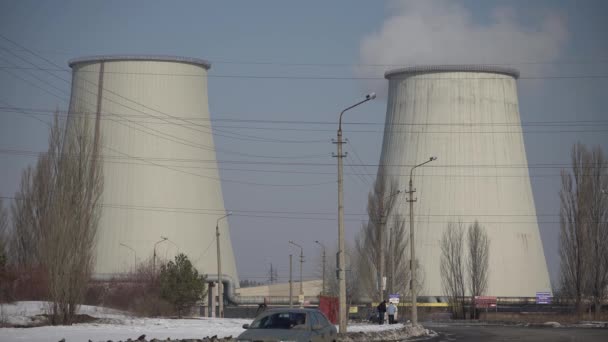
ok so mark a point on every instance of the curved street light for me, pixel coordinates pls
(163, 239)
(341, 263)
(412, 247)
(220, 286)
(134, 254)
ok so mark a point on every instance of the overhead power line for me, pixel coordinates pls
(439, 166)
(318, 78)
(215, 212)
(64, 112)
(160, 134)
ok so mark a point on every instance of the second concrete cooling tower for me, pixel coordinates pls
(468, 117)
(162, 193)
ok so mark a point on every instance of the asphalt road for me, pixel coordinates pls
(458, 333)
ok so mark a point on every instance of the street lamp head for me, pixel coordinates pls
(433, 158)
(370, 96)
(164, 237)
(229, 213)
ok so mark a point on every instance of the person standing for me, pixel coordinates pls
(381, 312)
(391, 311)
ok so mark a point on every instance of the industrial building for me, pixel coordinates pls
(468, 117)
(151, 116)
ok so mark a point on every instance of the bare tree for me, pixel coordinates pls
(596, 221)
(56, 214)
(452, 267)
(23, 251)
(382, 243)
(574, 228)
(477, 262)
(3, 235)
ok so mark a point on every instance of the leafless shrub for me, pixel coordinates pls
(453, 267)
(137, 292)
(477, 262)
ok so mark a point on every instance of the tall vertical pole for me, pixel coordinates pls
(324, 263)
(341, 263)
(220, 287)
(290, 281)
(413, 264)
(154, 258)
(301, 283)
(412, 256)
(391, 284)
(381, 251)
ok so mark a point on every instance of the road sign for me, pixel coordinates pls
(393, 298)
(543, 297)
(485, 302)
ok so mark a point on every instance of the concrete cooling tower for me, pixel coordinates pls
(468, 117)
(162, 193)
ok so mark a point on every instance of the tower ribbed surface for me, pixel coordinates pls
(467, 116)
(143, 106)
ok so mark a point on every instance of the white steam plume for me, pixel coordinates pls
(445, 32)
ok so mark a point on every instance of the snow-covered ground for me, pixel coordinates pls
(120, 326)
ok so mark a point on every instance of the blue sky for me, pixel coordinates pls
(541, 38)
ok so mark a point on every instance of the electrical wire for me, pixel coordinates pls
(327, 78)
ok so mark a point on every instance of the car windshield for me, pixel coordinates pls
(280, 320)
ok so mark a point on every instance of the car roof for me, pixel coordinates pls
(291, 310)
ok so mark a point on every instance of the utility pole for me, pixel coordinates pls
(391, 283)
(381, 248)
(134, 255)
(290, 281)
(163, 239)
(324, 263)
(341, 261)
(273, 274)
(220, 285)
(413, 264)
(301, 264)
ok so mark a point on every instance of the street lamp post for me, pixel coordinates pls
(171, 242)
(412, 244)
(341, 261)
(381, 239)
(323, 257)
(163, 239)
(134, 255)
(301, 263)
(220, 286)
